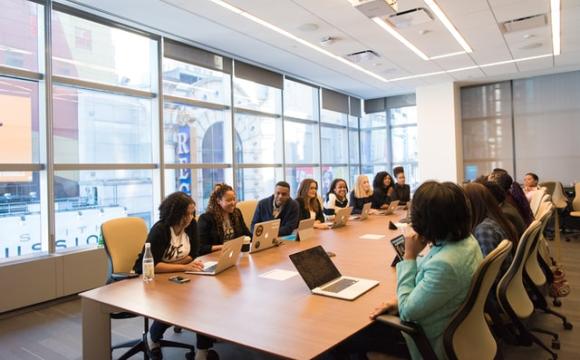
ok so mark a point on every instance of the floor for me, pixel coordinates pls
(54, 332)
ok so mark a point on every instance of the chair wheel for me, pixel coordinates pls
(556, 345)
(190, 355)
(177, 329)
(568, 326)
(557, 302)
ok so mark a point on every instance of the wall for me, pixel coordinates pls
(439, 133)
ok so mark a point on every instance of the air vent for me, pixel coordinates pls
(376, 8)
(410, 18)
(525, 23)
(363, 56)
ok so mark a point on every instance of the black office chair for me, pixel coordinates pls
(467, 336)
(124, 239)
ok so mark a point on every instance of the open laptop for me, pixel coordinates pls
(265, 235)
(407, 218)
(391, 209)
(323, 278)
(304, 232)
(341, 217)
(364, 214)
(228, 258)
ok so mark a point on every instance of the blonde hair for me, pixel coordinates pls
(359, 192)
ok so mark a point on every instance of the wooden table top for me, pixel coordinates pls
(278, 317)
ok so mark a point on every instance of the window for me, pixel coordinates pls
(403, 130)
(373, 133)
(301, 142)
(251, 95)
(295, 175)
(21, 24)
(257, 183)
(198, 182)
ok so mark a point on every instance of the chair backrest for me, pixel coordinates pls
(124, 239)
(555, 189)
(537, 198)
(511, 292)
(468, 335)
(576, 201)
(532, 267)
(247, 207)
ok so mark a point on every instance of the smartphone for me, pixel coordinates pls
(399, 245)
(179, 279)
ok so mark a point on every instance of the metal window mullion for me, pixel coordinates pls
(160, 121)
(20, 74)
(176, 166)
(283, 120)
(256, 113)
(233, 130)
(196, 103)
(48, 204)
(348, 142)
(258, 166)
(22, 167)
(389, 139)
(320, 135)
(97, 167)
(92, 85)
(302, 121)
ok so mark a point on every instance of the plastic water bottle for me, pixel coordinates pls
(148, 264)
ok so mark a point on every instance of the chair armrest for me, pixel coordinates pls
(414, 330)
(123, 276)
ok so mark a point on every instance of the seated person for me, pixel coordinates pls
(488, 224)
(382, 190)
(514, 194)
(530, 185)
(361, 194)
(222, 221)
(430, 289)
(508, 210)
(402, 190)
(278, 206)
(336, 197)
(174, 246)
(308, 203)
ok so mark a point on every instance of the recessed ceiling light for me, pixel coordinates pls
(531, 46)
(447, 23)
(308, 27)
(555, 15)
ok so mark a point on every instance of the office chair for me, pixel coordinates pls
(534, 272)
(124, 239)
(513, 298)
(537, 199)
(247, 207)
(575, 204)
(467, 335)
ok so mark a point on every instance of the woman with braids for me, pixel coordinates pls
(222, 221)
(174, 245)
(308, 203)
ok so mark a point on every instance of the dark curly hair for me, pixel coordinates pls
(174, 207)
(379, 181)
(215, 210)
(440, 211)
(333, 186)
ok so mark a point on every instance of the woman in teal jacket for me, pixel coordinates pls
(429, 289)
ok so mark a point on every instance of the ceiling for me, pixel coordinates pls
(214, 27)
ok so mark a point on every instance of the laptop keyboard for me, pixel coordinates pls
(339, 285)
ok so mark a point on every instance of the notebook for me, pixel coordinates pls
(228, 258)
(341, 216)
(265, 235)
(323, 278)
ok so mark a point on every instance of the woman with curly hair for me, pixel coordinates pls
(174, 246)
(382, 190)
(222, 221)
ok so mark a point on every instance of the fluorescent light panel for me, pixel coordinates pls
(398, 36)
(447, 23)
(555, 15)
(388, 28)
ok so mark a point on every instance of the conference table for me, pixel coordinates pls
(239, 306)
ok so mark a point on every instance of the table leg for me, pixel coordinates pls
(96, 330)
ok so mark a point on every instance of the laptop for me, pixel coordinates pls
(407, 218)
(391, 209)
(341, 216)
(265, 235)
(364, 214)
(323, 278)
(228, 258)
(304, 232)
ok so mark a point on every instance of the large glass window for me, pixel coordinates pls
(374, 144)
(259, 139)
(21, 22)
(250, 95)
(300, 100)
(403, 130)
(87, 50)
(334, 147)
(301, 142)
(295, 175)
(257, 183)
(198, 182)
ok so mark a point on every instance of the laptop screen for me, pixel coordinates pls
(315, 266)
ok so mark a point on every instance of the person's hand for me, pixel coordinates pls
(414, 244)
(216, 247)
(195, 265)
(321, 226)
(383, 308)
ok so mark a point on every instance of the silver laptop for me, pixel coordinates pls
(364, 214)
(341, 217)
(228, 258)
(265, 235)
(407, 218)
(323, 278)
(391, 209)
(304, 231)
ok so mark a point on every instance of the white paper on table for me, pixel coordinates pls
(372, 237)
(279, 274)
